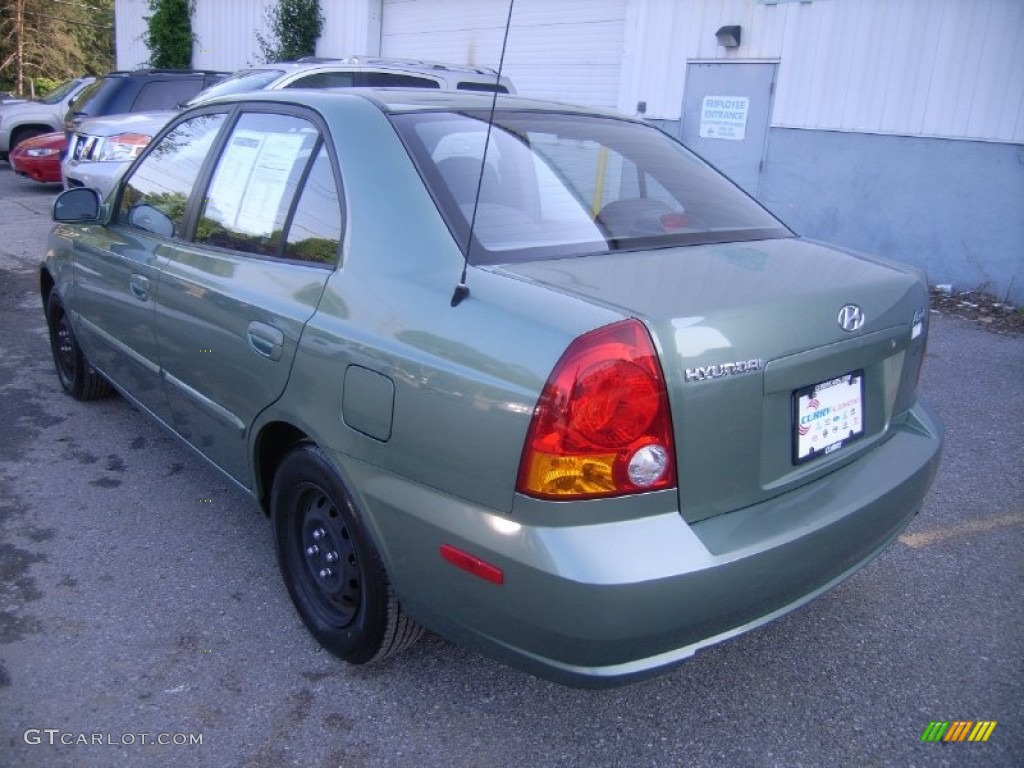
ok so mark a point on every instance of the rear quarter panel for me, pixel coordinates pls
(465, 379)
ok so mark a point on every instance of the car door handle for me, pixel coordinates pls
(265, 340)
(139, 286)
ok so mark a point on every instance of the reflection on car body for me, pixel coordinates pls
(538, 472)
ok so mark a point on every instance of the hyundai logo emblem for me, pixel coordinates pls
(851, 318)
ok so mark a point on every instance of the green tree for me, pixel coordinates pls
(43, 42)
(295, 26)
(169, 34)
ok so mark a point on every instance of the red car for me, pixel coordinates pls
(39, 157)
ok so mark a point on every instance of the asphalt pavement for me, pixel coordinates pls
(140, 602)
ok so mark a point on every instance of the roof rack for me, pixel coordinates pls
(163, 71)
(381, 61)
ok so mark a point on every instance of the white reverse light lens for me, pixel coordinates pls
(647, 465)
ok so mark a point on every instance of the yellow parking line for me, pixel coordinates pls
(926, 539)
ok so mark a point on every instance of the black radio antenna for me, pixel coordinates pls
(462, 290)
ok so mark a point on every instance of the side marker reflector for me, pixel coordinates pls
(473, 565)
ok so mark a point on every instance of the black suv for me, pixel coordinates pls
(137, 91)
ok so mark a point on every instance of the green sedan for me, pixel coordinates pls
(532, 376)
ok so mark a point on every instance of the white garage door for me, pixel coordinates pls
(567, 50)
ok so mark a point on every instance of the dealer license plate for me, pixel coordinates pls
(827, 416)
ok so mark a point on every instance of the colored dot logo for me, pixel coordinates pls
(959, 730)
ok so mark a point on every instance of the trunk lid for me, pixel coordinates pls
(745, 329)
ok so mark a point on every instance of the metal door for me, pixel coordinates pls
(726, 112)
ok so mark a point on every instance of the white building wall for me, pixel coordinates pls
(567, 50)
(351, 28)
(129, 26)
(942, 68)
(226, 31)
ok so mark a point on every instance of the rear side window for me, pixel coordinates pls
(273, 192)
(325, 80)
(482, 87)
(394, 80)
(166, 94)
(156, 194)
(315, 230)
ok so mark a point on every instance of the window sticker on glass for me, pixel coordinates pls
(252, 179)
(827, 416)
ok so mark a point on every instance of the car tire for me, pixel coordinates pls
(332, 569)
(77, 376)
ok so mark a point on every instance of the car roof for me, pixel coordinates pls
(377, 62)
(151, 72)
(397, 100)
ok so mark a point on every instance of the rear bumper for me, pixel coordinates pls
(602, 604)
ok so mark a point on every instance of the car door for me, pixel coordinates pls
(232, 303)
(117, 268)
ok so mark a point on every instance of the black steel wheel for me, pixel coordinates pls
(77, 376)
(330, 565)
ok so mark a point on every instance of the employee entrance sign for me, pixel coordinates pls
(724, 117)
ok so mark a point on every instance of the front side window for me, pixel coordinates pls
(81, 104)
(156, 194)
(273, 191)
(557, 185)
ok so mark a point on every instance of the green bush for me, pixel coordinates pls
(43, 85)
(295, 26)
(169, 33)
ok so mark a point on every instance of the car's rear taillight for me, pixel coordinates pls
(602, 426)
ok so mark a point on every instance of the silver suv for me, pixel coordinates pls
(22, 120)
(102, 148)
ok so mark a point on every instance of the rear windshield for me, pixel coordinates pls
(240, 82)
(557, 185)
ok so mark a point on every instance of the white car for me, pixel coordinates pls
(102, 148)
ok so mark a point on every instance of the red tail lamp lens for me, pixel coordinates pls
(602, 426)
(673, 221)
(614, 403)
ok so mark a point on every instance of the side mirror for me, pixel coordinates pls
(79, 204)
(151, 219)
